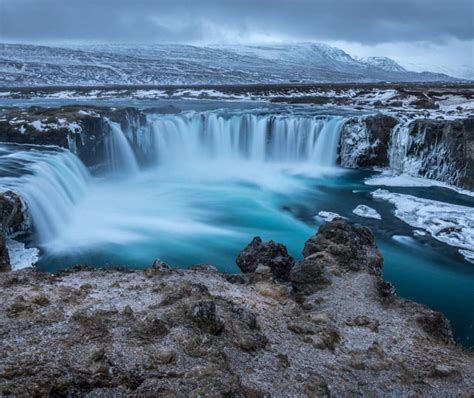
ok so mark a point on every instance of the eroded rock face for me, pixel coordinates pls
(82, 129)
(12, 221)
(347, 246)
(266, 254)
(197, 332)
(444, 149)
(365, 141)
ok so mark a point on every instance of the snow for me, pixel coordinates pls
(38, 125)
(95, 65)
(328, 216)
(419, 233)
(20, 256)
(448, 223)
(468, 255)
(367, 212)
(388, 179)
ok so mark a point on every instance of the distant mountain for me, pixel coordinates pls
(29, 65)
(384, 63)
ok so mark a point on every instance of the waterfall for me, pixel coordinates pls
(120, 156)
(51, 184)
(194, 137)
(398, 147)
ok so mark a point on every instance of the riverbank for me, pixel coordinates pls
(328, 325)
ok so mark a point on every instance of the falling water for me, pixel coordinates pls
(70, 209)
(198, 137)
(52, 183)
(120, 156)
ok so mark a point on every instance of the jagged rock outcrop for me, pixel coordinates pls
(12, 221)
(198, 332)
(441, 150)
(266, 254)
(364, 141)
(444, 150)
(82, 129)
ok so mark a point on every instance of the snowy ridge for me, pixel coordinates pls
(384, 63)
(29, 65)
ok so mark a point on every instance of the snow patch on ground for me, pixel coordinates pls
(448, 223)
(367, 212)
(20, 256)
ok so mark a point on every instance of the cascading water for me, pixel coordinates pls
(51, 183)
(120, 155)
(398, 147)
(203, 162)
(198, 137)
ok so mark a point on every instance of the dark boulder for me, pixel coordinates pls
(308, 276)
(204, 314)
(351, 247)
(424, 103)
(267, 254)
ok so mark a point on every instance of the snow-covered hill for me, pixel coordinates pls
(384, 63)
(28, 65)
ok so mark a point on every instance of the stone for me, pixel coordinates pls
(204, 314)
(308, 276)
(266, 254)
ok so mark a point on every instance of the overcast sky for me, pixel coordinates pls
(420, 34)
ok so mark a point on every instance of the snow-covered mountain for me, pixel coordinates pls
(384, 63)
(29, 65)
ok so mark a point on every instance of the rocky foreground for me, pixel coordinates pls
(328, 325)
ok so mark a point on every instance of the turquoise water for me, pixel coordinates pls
(204, 209)
(187, 220)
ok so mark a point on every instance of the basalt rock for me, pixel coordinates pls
(348, 246)
(197, 332)
(444, 150)
(267, 254)
(82, 129)
(364, 141)
(12, 221)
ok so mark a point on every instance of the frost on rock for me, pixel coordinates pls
(20, 256)
(367, 212)
(355, 142)
(328, 215)
(421, 148)
(448, 223)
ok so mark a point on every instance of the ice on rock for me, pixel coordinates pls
(328, 215)
(367, 212)
(468, 255)
(418, 233)
(20, 256)
(449, 223)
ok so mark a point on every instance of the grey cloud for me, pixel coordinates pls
(362, 21)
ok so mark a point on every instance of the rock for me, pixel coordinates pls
(204, 314)
(364, 321)
(450, 144)
(266, 254)
(160, 266)
(424, 103)
(351, 247)
(13, 220)
(308, 276)
(436, 325)
(445, 371)
(364, 141)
